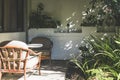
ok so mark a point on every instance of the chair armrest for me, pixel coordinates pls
(32, 53)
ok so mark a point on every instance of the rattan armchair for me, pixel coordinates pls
(46, 49)
(13, 61)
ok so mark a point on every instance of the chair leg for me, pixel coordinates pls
(0, 71)
(0, 75)
(50, 62)
(39, 65)
(24, 75)
(39, 70)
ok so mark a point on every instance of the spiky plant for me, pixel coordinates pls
(101, 53)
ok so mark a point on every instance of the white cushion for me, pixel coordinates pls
(18, 44)
(31, 62)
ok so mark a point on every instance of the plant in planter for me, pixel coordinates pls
(105, 14)
(38, 19)
(100, 58)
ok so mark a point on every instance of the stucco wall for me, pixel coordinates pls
(64, 44)
(62, 10)
(13, 36)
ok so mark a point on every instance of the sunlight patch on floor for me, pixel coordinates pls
(45, 75)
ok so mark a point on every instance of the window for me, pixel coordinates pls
(11, 15)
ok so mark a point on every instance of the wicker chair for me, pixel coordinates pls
(12, 61)
(46, 49)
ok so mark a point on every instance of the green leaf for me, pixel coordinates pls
(118, 42)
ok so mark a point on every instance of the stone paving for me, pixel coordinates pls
(46, 75)
(54, 72)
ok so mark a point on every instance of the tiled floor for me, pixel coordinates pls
(54, 72)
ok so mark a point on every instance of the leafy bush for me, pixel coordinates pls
(100, 12)
(100, 58)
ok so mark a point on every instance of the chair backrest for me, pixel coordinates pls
(11, 59)
(47, 43)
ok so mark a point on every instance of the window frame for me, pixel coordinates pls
(21, 7)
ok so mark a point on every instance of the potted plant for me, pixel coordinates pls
(38, 19)
(105, 14)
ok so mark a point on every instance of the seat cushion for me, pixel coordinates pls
(31, 62)
(15, 43)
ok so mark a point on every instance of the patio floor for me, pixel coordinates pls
(54, 72)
